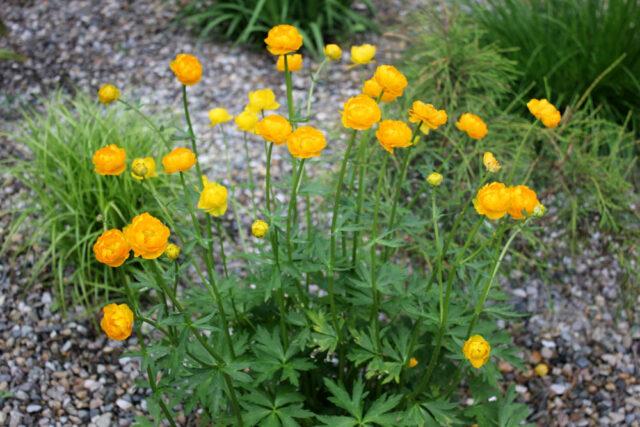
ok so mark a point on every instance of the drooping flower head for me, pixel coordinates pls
(333, 52)
(259, 228)
(523, 201)
(147, 235)
(283, 39)
(187, 69)
(117, 321)
(373, 89)
(430, 117)
(306, 142)
(261, 100)
(112, 248)
(180, 159)
(490, 162)
(360, 112)
(108, 93)
(219, 115)
(493, 200)
(477, 351)
(363, 54)
(110, 160)
(390, 79)
(294, 62)
(544, 111)
(393, 134)
(274, 128)
(213, 198)
(143, 168)
(247, 120)
(472, 125)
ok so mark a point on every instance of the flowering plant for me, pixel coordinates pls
(329, 324)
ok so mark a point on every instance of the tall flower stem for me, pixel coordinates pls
(147, 121)
(252, 183)
(289, 84)
(268, 178)
(293, 206)
(234, 202)
(222, 254)
(312, 86)
(362, 171)
(375, 308)
(519, 151)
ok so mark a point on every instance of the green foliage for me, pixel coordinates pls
(247, 21)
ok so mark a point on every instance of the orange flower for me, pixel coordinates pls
(373, 89)
(523, 201)
(306, 142)
(274, 128)
(493, 200)
(110, 160)
(428, 115)
(187, 69)
(477, 350)
(112, 248)
(360, 112)
(390, 79)
(472, 125)
(117, 321)
(179, 160)
(294, 62)
(147, 235)
(544, 111)
(108, 93)
(393, 134)
(283, 39)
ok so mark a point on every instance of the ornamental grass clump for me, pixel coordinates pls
(328, 320)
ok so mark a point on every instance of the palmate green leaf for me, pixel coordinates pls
(272, 361)
(336, 421)
(353, 404)
(434, 413)
(324, 336)
(502, 412)
(380, 411)
(282, 410)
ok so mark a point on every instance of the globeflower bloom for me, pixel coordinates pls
(247, 120)
(180, 159)
(306, 142)
(390, 79)
(541, 369)
(362, 54)
(477, 350)
(147, 235)
(373, 89)
(294, 62)
(360, 112)
(413, 362)
(213, 198)
(117, 321)
(493, 200)
(262, 99)
(434, 179)
(259, 228)
(544, 111)
(490, 162)
(523, 201)
(274, 128)
(143, 168)
(393, 134)
(430, 117)
(172, 252)
(187, 69)
(108, 93)
(110, 160)
(112, 248)
(219, 115)
(333, 52)
(472, 125)
(283, 39)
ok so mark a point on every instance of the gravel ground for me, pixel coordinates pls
(56, 371)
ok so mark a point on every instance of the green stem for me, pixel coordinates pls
(362, 171)
(234, 202)
(314, 80)
(268, 178)
(252, 184)
(293, 206)
(374, 274)
(148, 122)
(514, 164)
(289, 84)
(222, 254)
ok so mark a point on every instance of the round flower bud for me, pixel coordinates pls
(108, 93)
(187, 69)
(259, 228)
(180, 159)
(390, 79)
(143, 168)
(112, 248)
(434, 179)
(219, 115)
(523, 201)
(306, 142)
(373, 89)
(172, 252)
(541, 370)
(413, 362)
(362, 54)
(539, 210)
(477, 350)
(117, 321)
(393, 134)
(490, 162)
(493, 200)
(213, 198)
(246, 121)
(147, 235)
(360, 112)
(333, 52)
(110, 160)
(274, 128)
(472, 125)
(294, 62)
(262, 99)
(544, 111)
(283, 39)
(430, 117)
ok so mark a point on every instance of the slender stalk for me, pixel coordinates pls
(293, 206)
(314, 80)
(519, 152)
(289, 83)
(252, 184)
(147, 121)
(234, 202)
(362, 171)
(268, 178)
(222, 255)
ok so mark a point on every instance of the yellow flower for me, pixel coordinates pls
(274, 128)
(283, 39)
(306, 142)
(373, 89)
(472, 125)
(390, 79)
(360, 112)
(428, 115)
(172, 252)
(262, 99)
(143, 168)
(490, 162)
(362, 54)
(434, 179)
(108, 93)
(147, 235)
(247, 120)
(117, 321)
(187, 69)
(541, 370)
(112, 248)
(110, 160)
(219, 115)
(213, 198)
(523, 201)
(413, 362)
(477, 350)
(333, 52)
(493, 200)
(544, 111)
(180, 159)
(393, 134)
(294, 62)
(259, 228)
